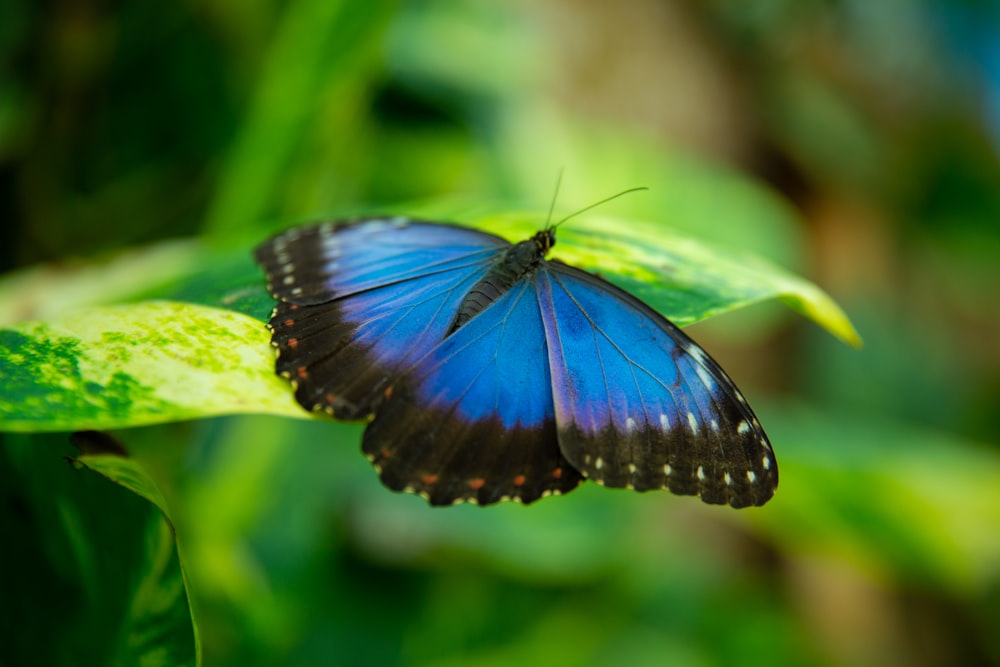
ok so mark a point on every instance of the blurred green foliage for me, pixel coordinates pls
(870, 135)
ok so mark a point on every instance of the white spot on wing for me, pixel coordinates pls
(630, 425)
(727, 478)
(598, 463)
(766, 462)
(667, 470)
(701, 473)
(696, 352)
(705, 377)
(743, 427)
(692, 422)
(664, 422)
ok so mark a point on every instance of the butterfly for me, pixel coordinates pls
(489, 372)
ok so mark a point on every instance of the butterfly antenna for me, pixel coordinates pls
(555, 195)
(595, 204)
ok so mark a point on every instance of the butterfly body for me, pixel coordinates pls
(492, 373)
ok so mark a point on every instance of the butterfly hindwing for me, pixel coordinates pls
(640, 405)
(473, 420)
(360, 302)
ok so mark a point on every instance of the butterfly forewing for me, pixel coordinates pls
(360, 302)
(473, 419)
(640, 405)
(310, 265)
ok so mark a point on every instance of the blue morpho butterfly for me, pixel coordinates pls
(491, 373)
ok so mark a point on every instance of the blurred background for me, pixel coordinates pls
(853, 142)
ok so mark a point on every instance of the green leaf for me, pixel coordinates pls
(102, 556)
(40, 292)
(156, 361)
(115, 366)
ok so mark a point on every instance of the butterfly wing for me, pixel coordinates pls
(360, 302)
(473, 420)
(639, 405)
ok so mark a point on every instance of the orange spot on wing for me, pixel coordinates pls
(477, 483)
(289, 322)
(293, 343)
(519, 480)
(302, 372)
(557, 473)
(388, 391)
(385, 453)
(428, 479)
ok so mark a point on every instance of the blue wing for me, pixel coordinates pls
(639, 405)
(360, 302)
(473, 420)
(562, 375)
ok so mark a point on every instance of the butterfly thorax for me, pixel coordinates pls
(516, 263)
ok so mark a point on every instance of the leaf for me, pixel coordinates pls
(39, 292)
(128, 365)
(156, 361)
(102, 556)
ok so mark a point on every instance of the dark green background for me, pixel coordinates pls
(854, 142)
